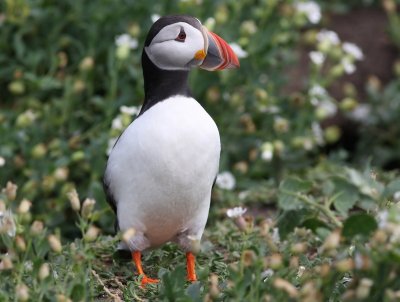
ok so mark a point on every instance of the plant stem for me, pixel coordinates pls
(323, 208)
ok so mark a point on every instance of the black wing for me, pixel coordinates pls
(111, 201)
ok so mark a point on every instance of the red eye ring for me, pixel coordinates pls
(181, 37)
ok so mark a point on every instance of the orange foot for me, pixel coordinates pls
(136, 256)
(146, 280)
(190, 267)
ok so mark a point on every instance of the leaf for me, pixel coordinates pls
(295, 184)
(289, 220)
(366, 185)
(288, 190)
(359, 224)
(391, 188)
(347, 196)
(193, 291)
(313, 224)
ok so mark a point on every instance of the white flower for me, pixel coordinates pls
(117, 123)
(225, 180)
(126, 41)
(361, 112)
(133, 110)
(110, 145)
(265, 275)
(396, 196)
(348, 65)
(275, 235)
(238, 50)
(317, 57)
(307, 144)
(2, 161)
(235, 212)
(155, 17)
(316, 92)
(383, 218)
(301, 271)
(310, 9)
(353, 50)
(28, 265)
(267, 151)
(7, 223)
(318, 133)
(328, 107)
(328, 36)
(267, 155)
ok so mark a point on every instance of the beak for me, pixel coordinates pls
(219, 54)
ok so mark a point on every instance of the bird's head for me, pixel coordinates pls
(182, 42)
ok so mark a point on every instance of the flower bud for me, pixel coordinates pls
(275, 261)
(299, 248)
(86, 64)
(134, 30)
(16, 87)
(54, 243)
(248, 28)
(348, 104)
(44, 271)
(344, 265)
(332, 134)
(37, 227)
(363, 289)
(332, 241)
(214, 290)
(10, 190)
(91, 234)
(221, 15)
(74, 200)
(20, 243)
(213, 94)
(77, 156)
(6, 263)
(22, 292)
(286, 286)
(39, 151)
(281, 125)
(241, 166)
(389, 6)
(61, 173)
(62, 298)
(2, 206)
(24, 206)
(248, 257)
(87, 207)
(79, 86)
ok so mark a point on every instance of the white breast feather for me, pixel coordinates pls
(162, 169)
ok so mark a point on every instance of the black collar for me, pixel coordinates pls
(160, 84)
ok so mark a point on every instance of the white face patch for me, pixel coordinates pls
(169, 54)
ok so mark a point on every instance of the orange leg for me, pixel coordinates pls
(136, 256)
(190, 264)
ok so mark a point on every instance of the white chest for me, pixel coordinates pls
(163, 166)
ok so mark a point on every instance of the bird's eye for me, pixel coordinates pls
(181, 37)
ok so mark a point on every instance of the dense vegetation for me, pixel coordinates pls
(323, 216)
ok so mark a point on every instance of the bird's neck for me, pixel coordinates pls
(160, 84)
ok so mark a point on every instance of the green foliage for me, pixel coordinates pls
(322, 227)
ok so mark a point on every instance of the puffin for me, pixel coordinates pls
(160, 172)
